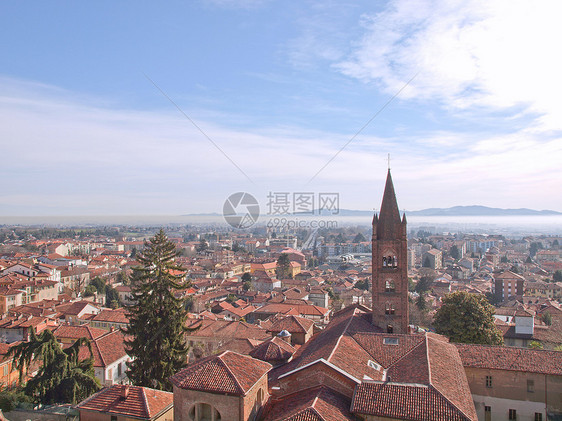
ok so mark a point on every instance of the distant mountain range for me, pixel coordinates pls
(455, 211)
(474, 210)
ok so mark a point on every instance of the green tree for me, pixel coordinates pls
(99, 284)
(362, 284)
(203, 245)
(454, 252)
(547, 319)
(111, 295)
(504, 259)
(359, 238)
(534, 248)
(90, 291)
(535, 345)
(157, 328)
(62, 377)
(424, 284)
(421, 304)
(283, 270)
(246, 277)
(426, 263)
(467, 318)
(557, 277)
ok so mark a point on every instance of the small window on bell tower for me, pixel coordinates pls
(389, 329)
(389, 287)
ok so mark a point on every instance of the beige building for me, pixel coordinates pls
(513, 383)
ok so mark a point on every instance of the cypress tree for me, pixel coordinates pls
(157, 332)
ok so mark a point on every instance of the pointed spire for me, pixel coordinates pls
(389, 217)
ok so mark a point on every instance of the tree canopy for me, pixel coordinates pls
(62, 377)
(283, 270)
(158, 317)
(467, 318)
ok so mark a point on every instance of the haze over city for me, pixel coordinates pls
(98, 103)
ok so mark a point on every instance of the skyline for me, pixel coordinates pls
(280, 90)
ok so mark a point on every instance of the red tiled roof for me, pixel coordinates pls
(75, 332)
(141, 402)
(227, 372)
(292, 324)
(274, 349)
(405, 402)
(510, 358)
(118, 315)
(318, 404)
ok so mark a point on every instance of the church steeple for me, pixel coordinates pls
(389, 226)
(390, 276)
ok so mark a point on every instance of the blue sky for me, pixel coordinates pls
(280, 87)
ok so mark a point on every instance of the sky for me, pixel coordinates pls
(139, 108)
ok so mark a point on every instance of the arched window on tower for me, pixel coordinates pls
(384, 261)
(389, 309)
(389, 287)
(204, 412)
(389, 329)
(394, 261)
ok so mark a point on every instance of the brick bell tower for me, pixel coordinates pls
(390, 268)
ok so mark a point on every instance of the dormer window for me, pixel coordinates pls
(374, 365)
(390, 341)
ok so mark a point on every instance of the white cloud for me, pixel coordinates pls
(495, 54)
(67, 154)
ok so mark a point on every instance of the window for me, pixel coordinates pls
(374, 365)
(390, 341)
(389, 329)
(114, 418)
(6, 370)
(512, 414)
(487, 413)
(488, 381)
(530, 386)
(389, 308)
(203, 412)
(389, 287)
(538, 416)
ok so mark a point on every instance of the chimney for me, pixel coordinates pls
(125, 391)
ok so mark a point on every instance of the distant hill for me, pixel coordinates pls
(457, 211)
(480, 211)
(454, 211)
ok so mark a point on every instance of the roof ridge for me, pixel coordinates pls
(219, 357)
(407, 353)
(145, 402)
(344, 331)
(448, 402)
(426, 340)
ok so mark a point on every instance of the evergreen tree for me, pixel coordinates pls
(62, 377)
(157, 319)
(283, 270)
(467, 318)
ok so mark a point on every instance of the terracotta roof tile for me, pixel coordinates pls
(510, 358)
(228, 372)
(274, 349)
(140, 402)
(405, 402)
(318, 404)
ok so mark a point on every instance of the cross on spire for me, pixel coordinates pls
(389, 161)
